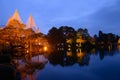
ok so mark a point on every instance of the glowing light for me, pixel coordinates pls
(80, 40)
(80, 54)
(69, 53)
(31, 24)
(119, 41)
(16, 16)
(69, 41)
(27, 51)
(45, 48)
(39, 43)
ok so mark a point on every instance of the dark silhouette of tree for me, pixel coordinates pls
(59, 36)
(83, 33)
(100, 33)
(55, 36)
(68, 32)
(57, 58)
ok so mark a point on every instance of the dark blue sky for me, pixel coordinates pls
(94, 15)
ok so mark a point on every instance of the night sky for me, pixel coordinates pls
(94, 15)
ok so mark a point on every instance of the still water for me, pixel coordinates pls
(95, 65)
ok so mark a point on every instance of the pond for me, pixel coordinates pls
(94, 65)
(97, 69)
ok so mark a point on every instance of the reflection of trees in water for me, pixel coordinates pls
(56, 58)
(67, 58)
(106, 51)
(84, 60)
(29, 68)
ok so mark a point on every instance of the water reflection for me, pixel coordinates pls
(80, 56)
(118, 47)
(29, 68)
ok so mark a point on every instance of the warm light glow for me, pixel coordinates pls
(80, 54)
(80, 40)
(39, 43)
(16, 16)
(27, 51)
(119, 41)
(69, 40)
(118, 47)
(69, 53)
(45, 48)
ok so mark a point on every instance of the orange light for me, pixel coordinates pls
(27, 51)
(45, 48)
(69, 53)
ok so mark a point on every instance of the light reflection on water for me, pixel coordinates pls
(94, 65)
(29, 68)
